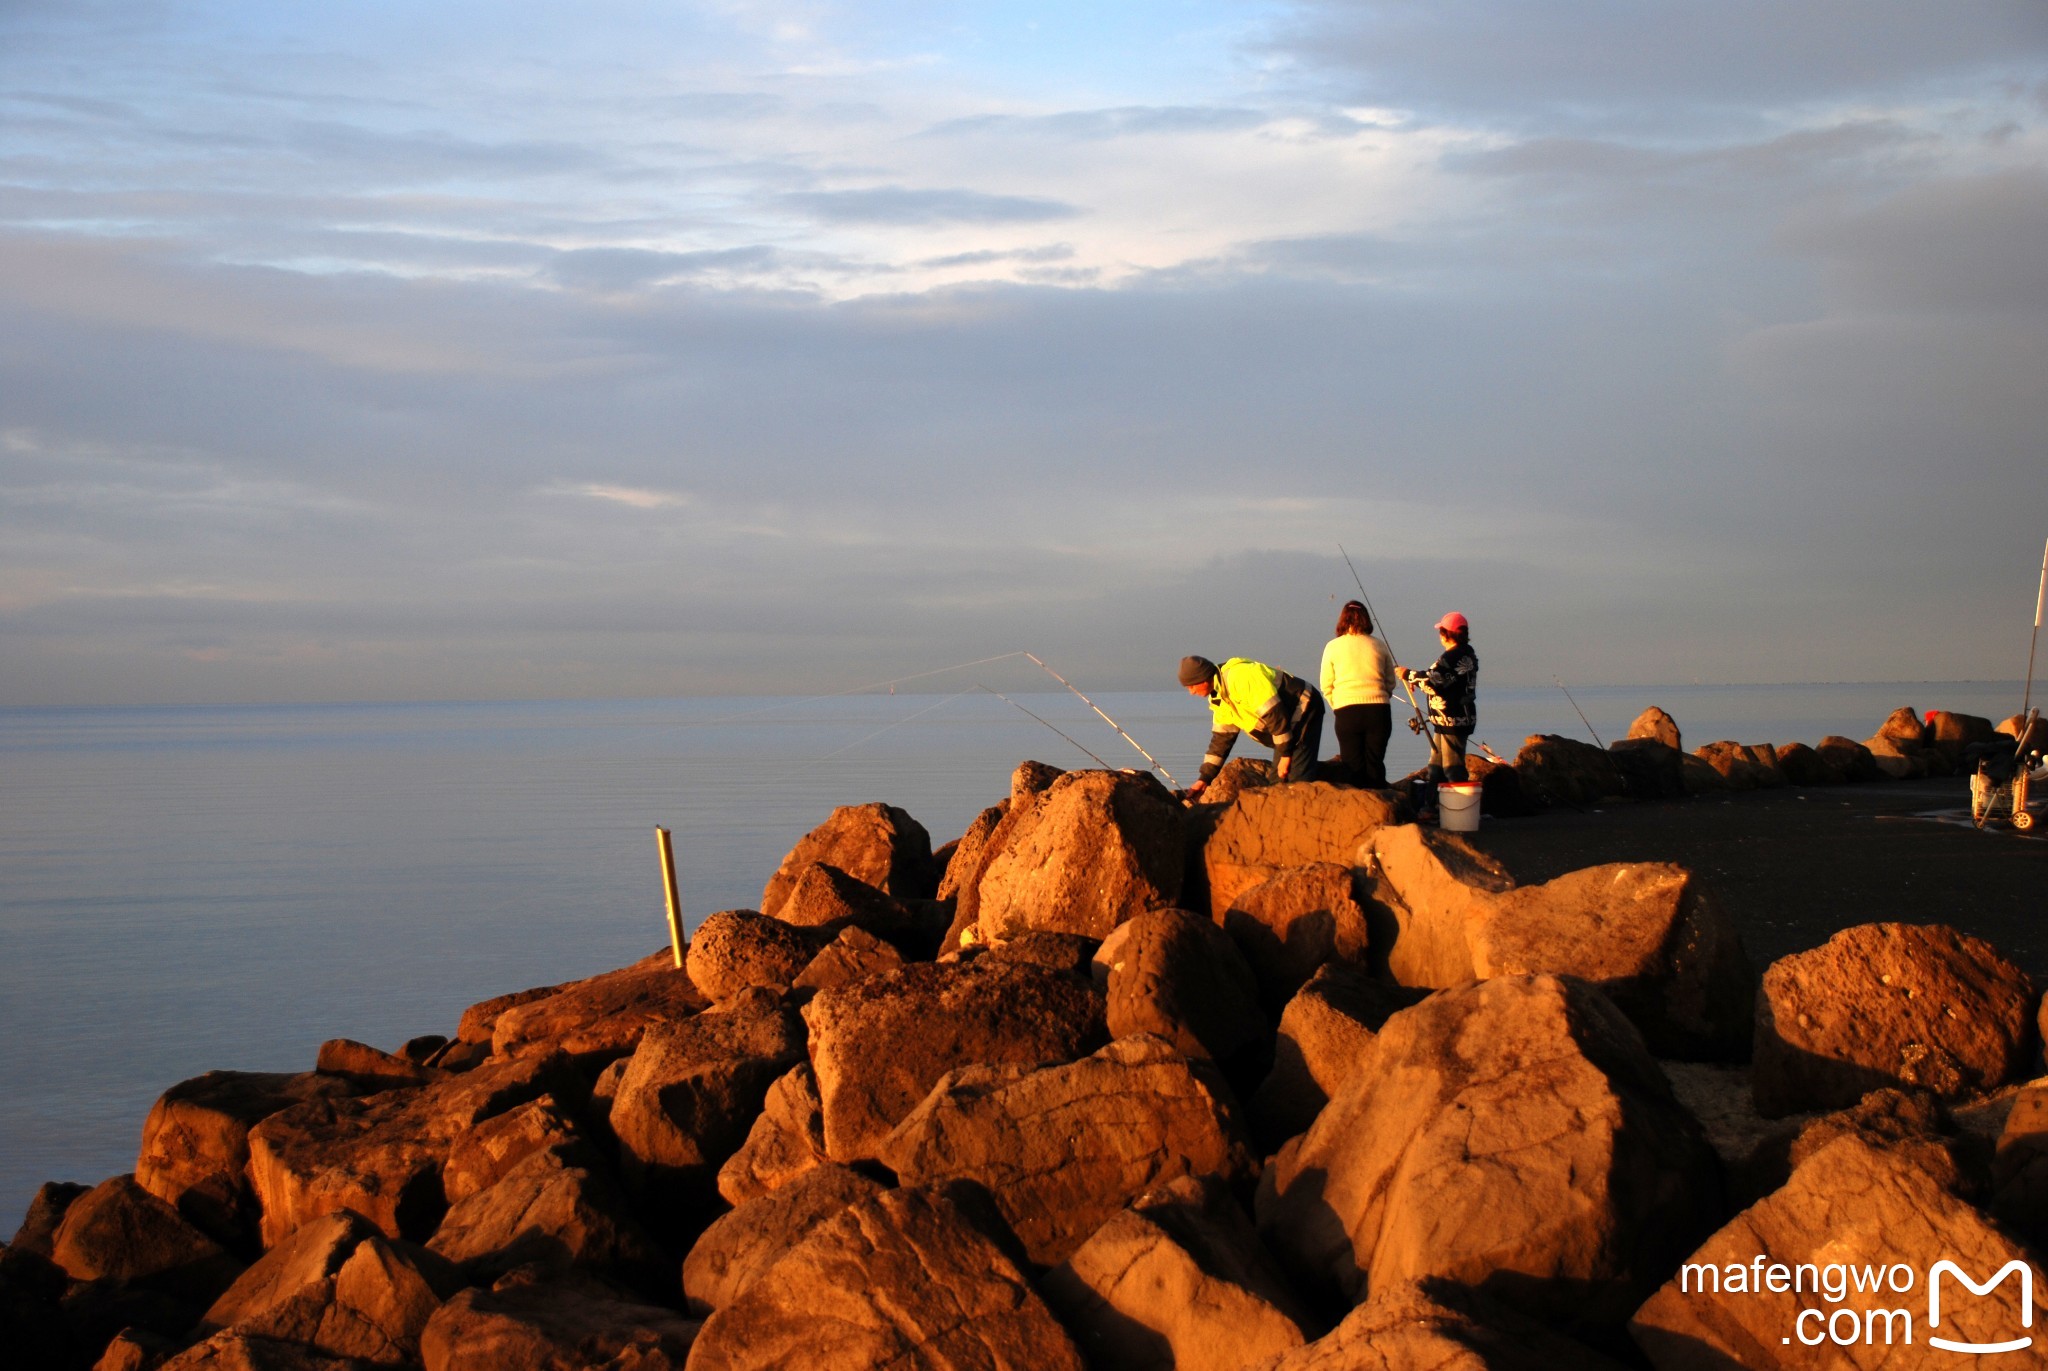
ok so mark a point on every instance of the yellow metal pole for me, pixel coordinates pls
(668, 887)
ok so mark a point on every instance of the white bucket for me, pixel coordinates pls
(1457, 806)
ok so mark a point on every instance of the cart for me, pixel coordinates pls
(1998, 788)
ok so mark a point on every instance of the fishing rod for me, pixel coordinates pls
(1575, 708)
(1054, 727)
(2039, 596)
(1105, 718)
(1419, 723)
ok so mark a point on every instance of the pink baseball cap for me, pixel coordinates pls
(1453, 622)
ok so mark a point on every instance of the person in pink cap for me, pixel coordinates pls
(1453, 687)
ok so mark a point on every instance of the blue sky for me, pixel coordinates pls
(482, 350)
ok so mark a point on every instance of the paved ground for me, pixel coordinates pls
(1794, 866)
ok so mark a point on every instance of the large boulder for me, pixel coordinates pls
(1176, 1282)
(1890, 1005)
(1273, 828)
(340, 1287)
(596, 1020)
(965, 859)
(1437, 1325)
(1747, 1296)
(484, 1154)
(1801, 765)
(1511, 1135)
(1909, 1124)
(1650, 770)
(850, 956)
(1148, 1114)
(739, 1246)
(880, 1044)
(1324, 1033)
(1238, 775)
(368, 1068)
(1850, 759)
(480, 1021)
(1657, 726)
(117, 1231)
(195, 1144)
(2019, 1167)
(556, 1208)
(1556, 770)
(1742, 767)
(554, 1321)
(1092, 850)
(1178, 976)
(901, 1279)
(823, 897)
(875, 843)
(786, 1139)
(1296, 920)
(1646, 933)
(382, 1155)
(736, 949)
(692, 1090)
(233, 1350)
(38, 1231)
(1904, 725)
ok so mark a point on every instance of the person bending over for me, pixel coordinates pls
(1358, 686)
(1453, 686)
(1282, 711)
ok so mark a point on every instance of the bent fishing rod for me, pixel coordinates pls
(1419, 723)
(1576, 710)
(1105, 718)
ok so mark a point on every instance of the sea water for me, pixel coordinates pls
(191, 888)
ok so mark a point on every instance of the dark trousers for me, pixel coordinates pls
(1362, 734)
(1306, 735)
(1447, 757)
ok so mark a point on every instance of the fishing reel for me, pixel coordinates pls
(1414, 724)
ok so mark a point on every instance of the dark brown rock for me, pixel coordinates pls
(1438, 1325)
(1654, 724)
(737, 949)
(232, 1350)
(595, 1020)
(1324, 1033)
(1851, 759)
(46, 1208)
(1296, 920)
(879, 1045)
(1511, 1135)
(875, 843)
(485, 1153)
(1700, 777)
(1271, 829)
(421, 1050)
(1890, 1005)
(823, 897)
(1149, 1114)
(1238, 775)
(1910, 1124)
(786, 1140)
(1848, 1206)
(903, 1279)
(1070, 954)
(850, 956)
(1091, 851)
(1904, 725)
(480, 1021)
(551, 1211)
(195, 1144)
(117, 1231)
(2019, 1168)
(133, 1349)
(554, 1321)
(1741, 767)
(965, 859)
(1556, 770)
(1178, 976)
(1801, 765)
(367, 1068)
(1649, 769)
(739, 1246)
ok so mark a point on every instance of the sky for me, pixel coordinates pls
(468, 350)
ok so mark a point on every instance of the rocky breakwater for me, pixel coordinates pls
(1281, 1081)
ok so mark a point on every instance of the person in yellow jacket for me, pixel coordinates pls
(1358, 686)
(1282, 711)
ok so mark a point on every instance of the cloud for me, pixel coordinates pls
(632, 496)
(1128, 122)
(903, 206)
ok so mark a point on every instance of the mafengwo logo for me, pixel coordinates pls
(1866, 1322)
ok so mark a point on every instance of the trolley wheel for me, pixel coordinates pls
(2022, 821)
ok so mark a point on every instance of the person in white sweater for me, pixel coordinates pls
(1358, 681)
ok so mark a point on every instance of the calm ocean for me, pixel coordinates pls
(191, 888)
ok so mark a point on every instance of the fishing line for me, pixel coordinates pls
(1380, 625)
(1575, 709)
(1105, 718)
(1054, 727)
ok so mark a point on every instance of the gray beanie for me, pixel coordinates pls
(1193, 669)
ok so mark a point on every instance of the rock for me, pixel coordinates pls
(1654, 724)
(367, 1068)
(692, 1091)
(1645, 932)
(1032, 778)
(480, 1020)
(1500, 789)
(825, 898)
(1511, 1135)
(2019, 1168)
(381, 1155)
(1091, 851)
(236, 1351)
(195, 1144)
(484, 1154)
(1294, 921)
(1238, 775)
(1904, 725)
(340, 1287)
(1849, 1207)
(2028, 738)
(1271, 829)
(848, 957)
(1324, 1033)
(902, 1279)
(1069, 954)
(786, 1140)
(38, 1231)
(739, 1246)
(1908, 1124)
(1177, 1282)
(1801, 765)
(875, 843)
(1889, 1005)
(1437, 1325)
(117, 1231)
(1851, 759)
(553, 1321)
(1649, 769)
(737, 949)
(1700, 777)
(596, 1020)
(1556, 770)
(134, 1349)
(551, 1211)
(879, 1045)
(1149, 1116)
(1178, 976)
(966, 856)
(1950, 732)
(1743, 768)
(420, 1050)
